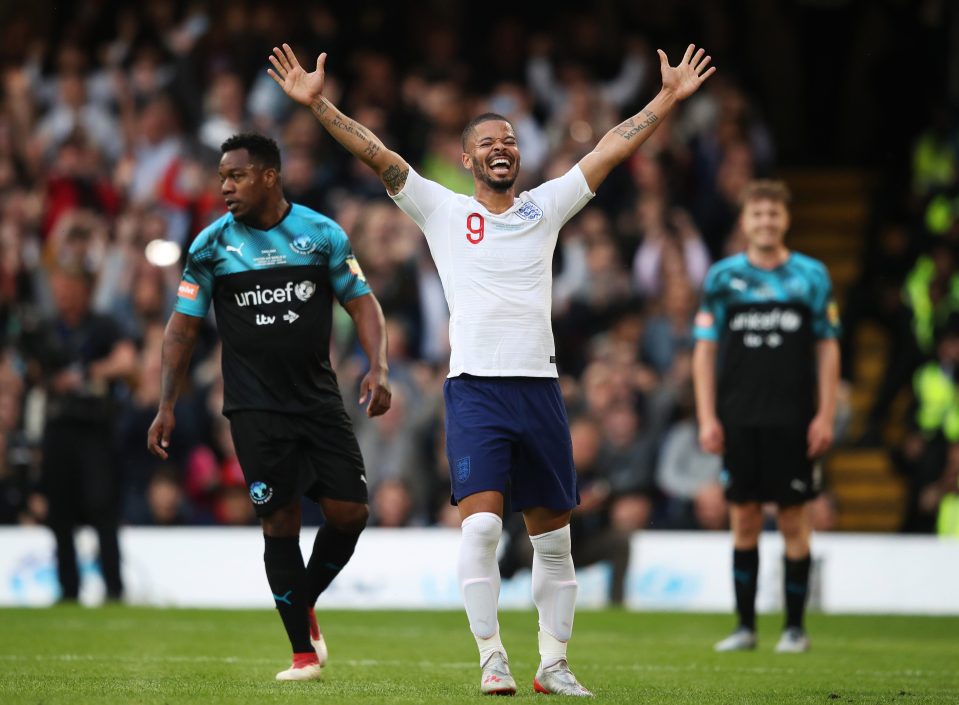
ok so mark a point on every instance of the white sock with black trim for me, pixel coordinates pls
(479, 579)
(554, 593)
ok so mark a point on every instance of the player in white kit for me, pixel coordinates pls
(507, 430)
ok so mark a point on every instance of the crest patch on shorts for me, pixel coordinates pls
(260, 492)
(463, 469)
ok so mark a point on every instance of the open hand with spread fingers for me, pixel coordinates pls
(686, 78)
(303, 87)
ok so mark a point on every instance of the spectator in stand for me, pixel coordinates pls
(689, 477)
(80, 358)
(934, 428)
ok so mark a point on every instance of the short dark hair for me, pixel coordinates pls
(479, 119)
(766, 190)
(263, 150)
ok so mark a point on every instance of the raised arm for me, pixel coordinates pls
(371, 330)
(618, 144)
(178, 341)
(307, 89)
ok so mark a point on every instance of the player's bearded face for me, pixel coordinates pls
(495, 157)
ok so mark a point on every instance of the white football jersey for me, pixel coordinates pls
(496, 271)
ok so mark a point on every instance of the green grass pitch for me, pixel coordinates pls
(130, 656)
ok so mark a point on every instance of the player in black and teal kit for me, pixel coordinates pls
(271, 270)
(766, 370)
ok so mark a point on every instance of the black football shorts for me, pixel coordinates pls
(286, 456)
(769, 465)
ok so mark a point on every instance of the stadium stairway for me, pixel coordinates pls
(830, 210)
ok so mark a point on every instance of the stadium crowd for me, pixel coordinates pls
(109, 140)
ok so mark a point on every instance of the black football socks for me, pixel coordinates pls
(796, 584)
(745, 578)
(332, 550)
(287, 577)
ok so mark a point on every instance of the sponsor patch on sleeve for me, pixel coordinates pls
(355, 268)
(188, 290)
(832, 313)
(704, 319)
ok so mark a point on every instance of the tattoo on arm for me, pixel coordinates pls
(350, 127)
(339, 121)
(631, 128)
(395, 178)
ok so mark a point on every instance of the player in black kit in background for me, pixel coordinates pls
(766, 371)
(271, 270)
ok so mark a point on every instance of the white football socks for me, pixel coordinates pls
(554, 592)
(479, 579)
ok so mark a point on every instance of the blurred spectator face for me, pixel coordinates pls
(73, 94)
(603, 258)
(620, 425)
(399, 339)
(69, 161)
(647, 173)
(149, 290)
(157, 120)
(164, 497)
(392, 504)
(651, 213)
(299, 171)
(71, 295)
(765, 222)
(943, 261)
(81, 245)
(948, 349)
(587, 442)
(233, 507)
(71, 59)
(594, 226)
(679, 299)
(598, 387)
(8, 174)
(493, 155)
(510, 100)
(628, 328)
(153, 227)
(144, 71)
(243, 184)
(226, 96)
(302, 131)
(735, 170)
(374, 233)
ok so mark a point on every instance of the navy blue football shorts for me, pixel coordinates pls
(510, 435)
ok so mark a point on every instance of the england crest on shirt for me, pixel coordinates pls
(529, 211)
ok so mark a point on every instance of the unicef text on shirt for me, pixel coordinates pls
(259, 296)
(777, 319)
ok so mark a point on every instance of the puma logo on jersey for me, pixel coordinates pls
(238, 250)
